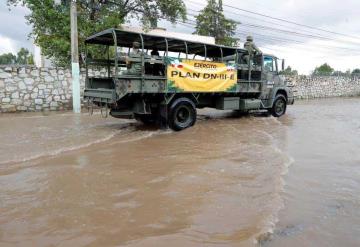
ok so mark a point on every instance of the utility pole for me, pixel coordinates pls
(75, 68)
(219, 11)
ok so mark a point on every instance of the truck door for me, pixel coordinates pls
(269, 75)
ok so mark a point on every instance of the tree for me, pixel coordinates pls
(356, 72)
(211, 21)
(289, 72)
(23, 57)
(7, 58)
(340, 73)
(30, 59)
(324, 69)
(51, 22)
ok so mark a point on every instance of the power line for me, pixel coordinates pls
(277, 40)
(294, 23)
(283, 31)
(298, 41)
(261, 20)
(298, 34)
(283, 20)
(288, 33)
(293, 33)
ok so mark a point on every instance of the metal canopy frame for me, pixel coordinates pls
(116, 37)
(122, 38)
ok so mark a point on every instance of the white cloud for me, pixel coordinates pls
(7, 45)
(13, 28)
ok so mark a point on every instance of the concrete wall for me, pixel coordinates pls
(42, 89)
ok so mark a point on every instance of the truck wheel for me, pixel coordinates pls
(279, 106)
(182, 114)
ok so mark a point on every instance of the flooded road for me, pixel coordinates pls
(69, 180)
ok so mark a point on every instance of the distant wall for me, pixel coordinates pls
(325, 86)
(42, 89)
(37, 89)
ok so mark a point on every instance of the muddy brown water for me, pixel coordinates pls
(78, 180)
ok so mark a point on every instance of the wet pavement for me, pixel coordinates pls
(79, 180)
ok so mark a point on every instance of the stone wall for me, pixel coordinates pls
(325, 86)
(37, 89)
(42, 89)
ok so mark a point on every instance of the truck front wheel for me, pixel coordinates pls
(279, 106)
(182, 114)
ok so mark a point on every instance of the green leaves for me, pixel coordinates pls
(289, 72)
(212, 22)
(23, 57)
(7, 58)
(324, 69)
(51, 22)
(356, 72)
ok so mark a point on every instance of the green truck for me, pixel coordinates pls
(157, 79)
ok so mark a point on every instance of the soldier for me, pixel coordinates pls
(155, 52)
(134, 67)
(251, 48)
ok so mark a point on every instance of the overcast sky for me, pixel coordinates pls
(13, 29)
(301, 52)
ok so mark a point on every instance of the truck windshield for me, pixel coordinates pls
(269, 64)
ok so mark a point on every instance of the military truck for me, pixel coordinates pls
(157, 79)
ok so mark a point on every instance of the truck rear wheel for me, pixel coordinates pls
(279, 106)
(182, 114)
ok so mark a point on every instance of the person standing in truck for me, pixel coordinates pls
(155, 52)
(134, 67)
(251, 48)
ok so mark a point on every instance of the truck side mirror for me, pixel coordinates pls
(283, 65)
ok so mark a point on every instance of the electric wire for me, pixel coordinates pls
(283, 20)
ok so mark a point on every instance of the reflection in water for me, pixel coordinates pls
(219, 183)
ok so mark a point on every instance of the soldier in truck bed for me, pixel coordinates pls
(251, 48)
(134, 67)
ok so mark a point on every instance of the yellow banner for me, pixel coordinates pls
(201, 76)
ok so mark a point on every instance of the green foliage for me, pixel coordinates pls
(30, 60)
(51, 22)
(212, 22)
(356, 72)
(23, 57)
(324, 69)
(289, 72)
(7, 58)
(341, 73)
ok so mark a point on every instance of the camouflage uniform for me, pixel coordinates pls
(251, 48)
(134, 68)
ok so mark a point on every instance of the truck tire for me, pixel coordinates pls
(279, 106)
(182, 114)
